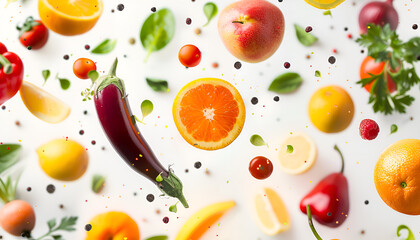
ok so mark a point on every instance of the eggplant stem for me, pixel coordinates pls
(311, 224)
(342, 158)
(113, 69)
(172, 186)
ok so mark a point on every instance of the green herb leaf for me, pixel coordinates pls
(394, 128)
(46, 74)
(64, 82)
(160, 237)
(66, 224)
(307, 39)
(289, 149)
(173, 208)
(51, 223)
(9, 155)
(98, 182)
(159, 178)
(146, 108)
(105, 47)
(286, 83)
(317, 73)
(157, 31)
(257, 140)
(93, 75)
(410, 233)
(328, 12)
(210, 10)
(157, 85)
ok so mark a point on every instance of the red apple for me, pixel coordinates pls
(251, 30)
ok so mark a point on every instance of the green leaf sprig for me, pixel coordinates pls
(105, 46)
(157, 31)
(64, 82)
(146, 109)
(257, 140)
(394, 128)
(9, 155)
(45, 74)
(158, 85)
(286, 83)
(8, 189)
(305, 38)
(317, 73)
(210, 10)
(327, 13)
(98, 183)
(173, 208)
(66, 224)
(383, 44)
(410, 233)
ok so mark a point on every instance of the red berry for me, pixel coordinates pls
(369, 129)
(260, 167)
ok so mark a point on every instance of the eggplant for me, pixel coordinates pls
(115, 116)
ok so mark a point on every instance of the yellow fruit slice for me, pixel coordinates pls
(201, 221)
(42, 104)
(325, 4)
(209, 113)
(70, 17)
(297, 153)
(272, 215)
(63, 159)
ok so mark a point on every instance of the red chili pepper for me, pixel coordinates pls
(329, 200)
(11, 74)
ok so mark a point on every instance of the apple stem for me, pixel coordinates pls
(311, 224)
(238, 22)
(342, 158)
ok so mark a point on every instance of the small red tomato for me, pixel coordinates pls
(17, 217)
(260, 167)
(370, 66)
(82, 67)
(33, 34)
(189, 55)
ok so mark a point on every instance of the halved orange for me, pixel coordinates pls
(209, 113)
(70, 17)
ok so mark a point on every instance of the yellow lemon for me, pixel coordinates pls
(62, 159)
(331, 109)
(297, 153)
(325, 4)
(42, 104)
(272, 215)
(70, 17)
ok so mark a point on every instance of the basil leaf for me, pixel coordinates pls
(307, 39)
(173, 208)
(105, 47)
(317, 73)
(286, 83)
(46, 74)
(64, 83)
(146, 108)
(257, 140)
(394, 128)
(328, 12)
(210, 10)
(410, 234)
(157, 31)
(93, 75)
(9, 155)
(289, 149)
(160, 237)
(97, 183)
(158, 85)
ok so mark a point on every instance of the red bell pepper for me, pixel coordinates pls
(11, 74)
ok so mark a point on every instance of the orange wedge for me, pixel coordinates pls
(201, 221)
(209, 113)
(42, 104)
(70, 17)
(272, 215)
(325, 4)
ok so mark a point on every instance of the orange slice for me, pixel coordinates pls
(70, 17)
(209, 113)
(42, 104)
(325, 4)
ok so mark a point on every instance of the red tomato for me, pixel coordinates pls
(2, 48)
(82, 67)
(260, 167)
(33, 34)
(370, 66)
(189, 55)
(17, 217)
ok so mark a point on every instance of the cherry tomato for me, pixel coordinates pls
(82, 67)
(33, 34)
(260, 167)
(189, 55)
(370, 66)
(17, 217)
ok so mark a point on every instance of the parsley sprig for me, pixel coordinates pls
(384, 45)
(66, 224)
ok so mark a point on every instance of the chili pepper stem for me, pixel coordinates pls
(311, 224)
(7, 66)
(342, 158)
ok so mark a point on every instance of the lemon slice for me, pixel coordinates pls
(42, 104)
(201, 221)
(325, 4)
(272, 215)
(297, 153)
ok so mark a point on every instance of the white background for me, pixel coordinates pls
(272, 122)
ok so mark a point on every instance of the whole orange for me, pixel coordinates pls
(113, 226)
(397, 176)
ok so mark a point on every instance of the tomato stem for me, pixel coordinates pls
(342, 158)
(241, 22)
(311, 224)
(7, 66)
